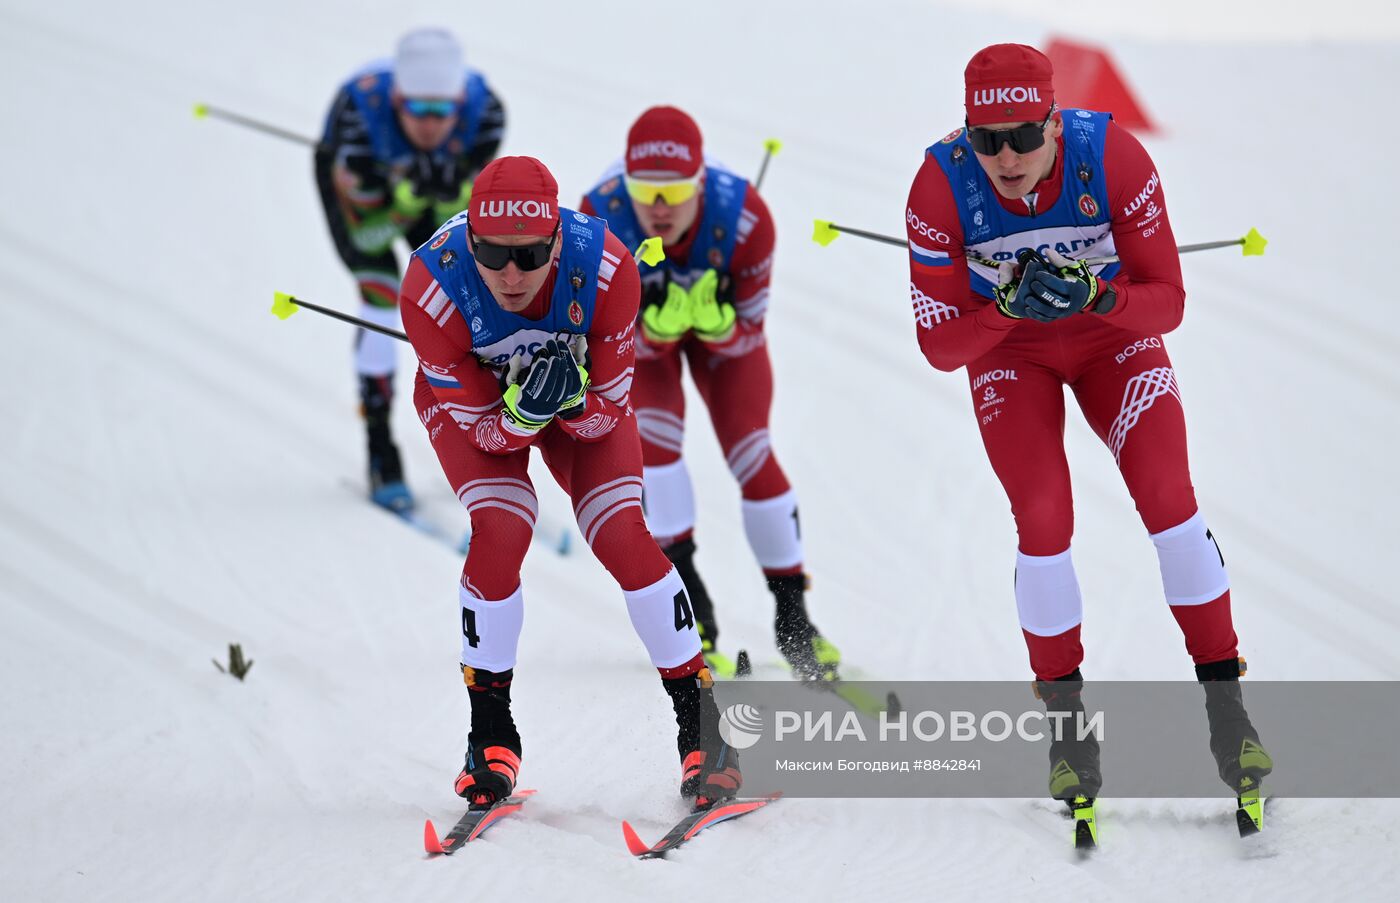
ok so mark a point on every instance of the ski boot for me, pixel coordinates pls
(493, 746)
(1075, 777)
(811, 655)
(708, 776)
(1074, 762)
(682, 556)
(709, 767)
(386, 484)
(1240, 759)
(488, 775)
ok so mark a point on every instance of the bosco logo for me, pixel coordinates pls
(1139, 346)
(924, 229)
(440, 240)
(1087, 205)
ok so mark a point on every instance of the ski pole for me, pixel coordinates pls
(204, 110)
(770, 150)
(1251, 244)
(284, 305)
(824, 232)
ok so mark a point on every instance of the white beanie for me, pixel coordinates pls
(429, 64)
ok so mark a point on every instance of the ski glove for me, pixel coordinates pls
(446, 208)
(575, 359)
(408, 203)
(436, 176)
(1062, 288)
(531, 402)
(1014, 289)
(712, 318)
(667, 316)
(433, 181)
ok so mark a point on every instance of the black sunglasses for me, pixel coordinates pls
(527, 257)
(1023, 139)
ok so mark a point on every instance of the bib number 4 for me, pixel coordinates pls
(685, 615)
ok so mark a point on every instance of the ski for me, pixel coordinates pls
(1086, 825)
(862, 701)
(1249, 808)
(697, 821)
(857, 697)
(1249, 817)
(472, 825)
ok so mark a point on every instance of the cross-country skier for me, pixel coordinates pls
(402, 143)
(522, 316)
(703, 308)
(999, 218)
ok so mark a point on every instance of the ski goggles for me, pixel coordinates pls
(526, 257)
(674, 191)
(1023, 139)
(421, 107)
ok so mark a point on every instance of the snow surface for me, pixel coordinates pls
(175, 459)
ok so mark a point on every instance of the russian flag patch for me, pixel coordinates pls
(439, 378)
(928, 260)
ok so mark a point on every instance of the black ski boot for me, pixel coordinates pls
(1233, 740)
(386, 484)
(1240, 759)
(493, 747)
(812, 656)
(1074, 762)
(709, 766)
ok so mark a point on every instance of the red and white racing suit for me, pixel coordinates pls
(735, 381)
(596, 458)
(1116, 365)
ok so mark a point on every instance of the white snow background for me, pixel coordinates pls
(173, 460)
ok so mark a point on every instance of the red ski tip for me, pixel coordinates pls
(634, 843)
(430, 838)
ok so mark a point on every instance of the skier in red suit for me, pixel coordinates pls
(1003, 220)
(703, 309)
(521, 315)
